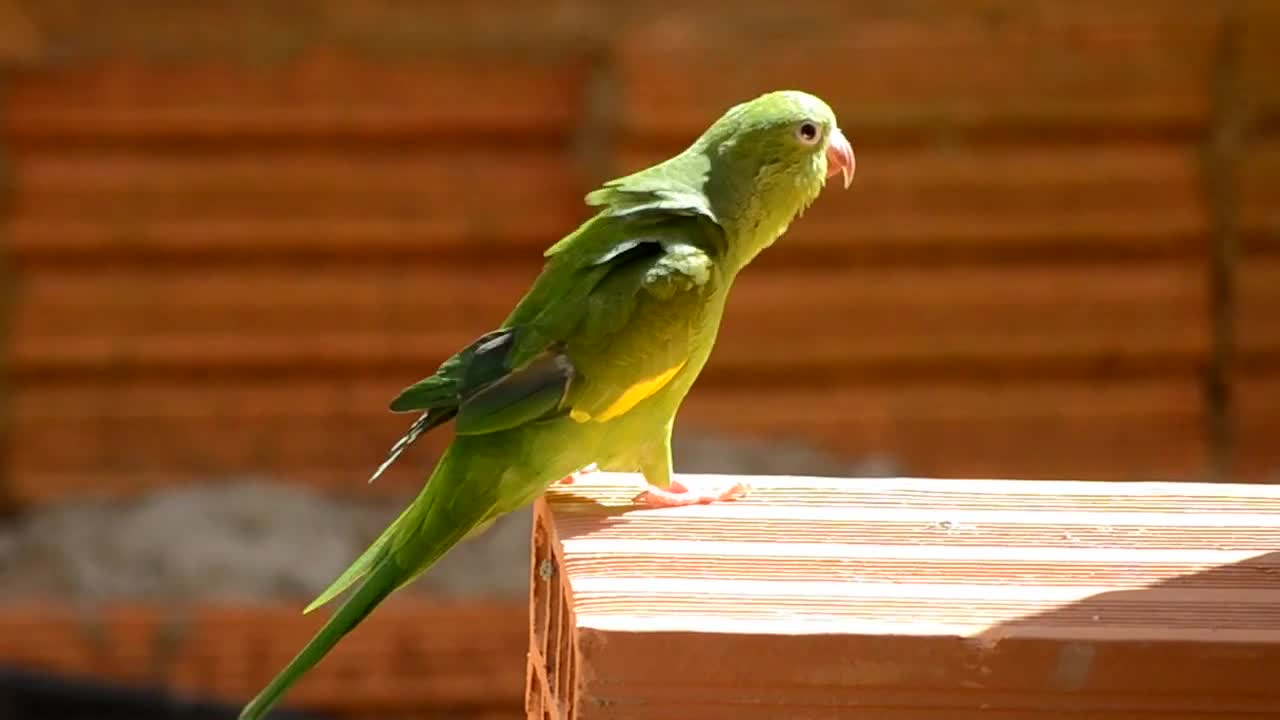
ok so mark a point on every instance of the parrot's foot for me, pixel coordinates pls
(678, 495)
(571, 477)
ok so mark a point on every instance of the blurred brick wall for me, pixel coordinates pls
(410, 661)
(233, 233)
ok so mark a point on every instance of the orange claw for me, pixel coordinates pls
(679, 495)
(573, 476)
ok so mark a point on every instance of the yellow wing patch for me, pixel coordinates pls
(630, 397)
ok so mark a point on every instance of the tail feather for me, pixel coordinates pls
(379, 585)
(429, 420)
(407, 547)
(384, 578)
(368, 560)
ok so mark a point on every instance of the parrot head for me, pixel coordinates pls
(767, 159)
(787, 132)
(753, 171)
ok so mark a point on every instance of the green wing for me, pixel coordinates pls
(546, 360)
(483, 390)
(530, 368)
(639, 327)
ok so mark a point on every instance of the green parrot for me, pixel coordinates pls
(593, 363)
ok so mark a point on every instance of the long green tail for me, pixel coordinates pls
(407, 547)
(380, 584)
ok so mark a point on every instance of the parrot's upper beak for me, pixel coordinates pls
(840, 157)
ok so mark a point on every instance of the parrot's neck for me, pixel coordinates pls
(748, 237)
(753, 203)
(756, 207)
(759, 222)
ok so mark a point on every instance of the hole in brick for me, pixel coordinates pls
(542, 589)
(564, 649)
(568, 688)
(553, 638)
(533, 694)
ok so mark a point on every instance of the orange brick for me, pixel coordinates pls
(993, 66)
(278, 301)
(136, 435)
(1257, 323)
(1255, 386)
(1258, 175)
(48, 240)
(100, 437)
(1087, 428)
(1258, 22)
(1033, 600)
(122, 187)
(938, 202)
(41, 637)
(881, 319)
(411, 656)
(1256, 424)
(323, 95)
(844, 321)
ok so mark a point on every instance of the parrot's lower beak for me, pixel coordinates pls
(840, 157)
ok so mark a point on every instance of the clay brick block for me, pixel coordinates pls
(116, 435)
(993, 66)
(1255, 384)
(132, 434)
(900, 598)
(269, 315)
(1256, 424)
(1258, 22)
(376, 315)
(1258, 176)
(942, 319)
(323, 94)
(412, 658)
(256, 34)
(409, 654)
(1257, 297)
(1037, 428)
(118, 643)
(1256, 387)
(1008, 200)
(47, 240)
(135, 186)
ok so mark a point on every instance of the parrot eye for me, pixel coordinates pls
(807, 131)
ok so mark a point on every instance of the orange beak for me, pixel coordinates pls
(840, 157)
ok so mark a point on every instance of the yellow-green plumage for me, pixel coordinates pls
(594, 361)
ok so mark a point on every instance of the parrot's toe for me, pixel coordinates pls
(679, 495)
(573, 476)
